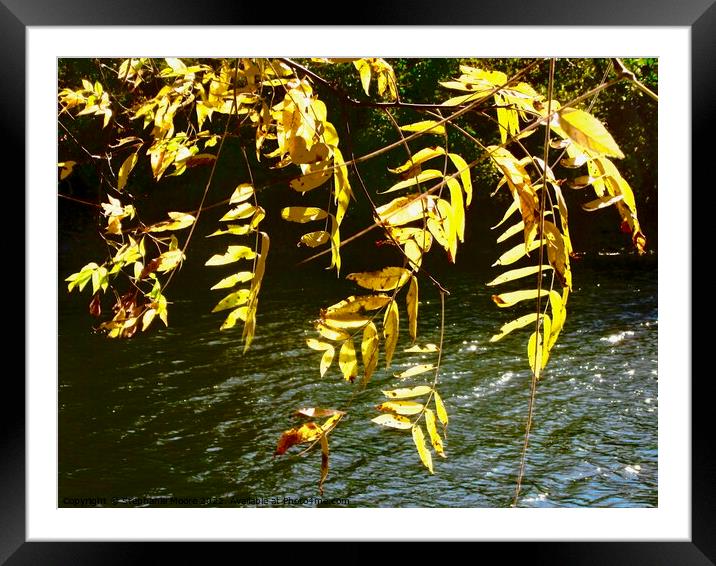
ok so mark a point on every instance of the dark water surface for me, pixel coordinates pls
(181, 412)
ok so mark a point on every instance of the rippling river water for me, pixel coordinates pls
(181, 412)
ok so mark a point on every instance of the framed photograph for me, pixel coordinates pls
(126, 440)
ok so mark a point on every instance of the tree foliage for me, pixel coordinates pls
(294, 123)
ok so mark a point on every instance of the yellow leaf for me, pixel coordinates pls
(602, 202)
(147, 318)
(235, 229)
(124, 171)
(443, 227)
(233, 253)
(511, 231)
(514, 207)
(331, 333)
(335, 245)
(435, 439)
(518, 252)
(419, 439)
(420, 236)
(517, 273)
(179, 221)
(231, 280)
(422, 349)
(558, 254)
(357, 305)
(427, 126)
(385, 279)
(520, 322)
(458, 208)
(390, 331)
(327, 359)
(407, 392)
(401, 407)
(66, 168)
(318, 345)
(403, 210)
(315, 175)
(412, 308)
(421, 156)
(169, 260)
(315, 239)
(415, 370)
(421, 177)
(369, 350)
(235, 299)
(461, 166)
(308, 432)
(393, 421)
(588, 132)
(240, 313)
(303, 214)
(440, 408)
(342, 187)
(363, 68)
(243, 192)
(514, 297)
(244, 210)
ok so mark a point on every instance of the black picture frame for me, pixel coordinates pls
(698, 15)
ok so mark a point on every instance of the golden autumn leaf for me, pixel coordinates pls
(428, 348)
(588, 132)
(347, 360)
(401, 407)
(385, 279)
(393, 421)
(509, 299)
(403, 210)
(390, 331)
(465, 179)
(435, 439)
(407, 392)
(520, 322)
(232, 280)
(421, 156)
(420, 177)
(427, 126)
(419, 440)
(514, 274)
(179, 221)
(315, 239)
(242, 193)
(235, 299)
(415, 370)
(411, 300)
(440, 408)
(369, 350)
(125, 169)
(232, 254)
